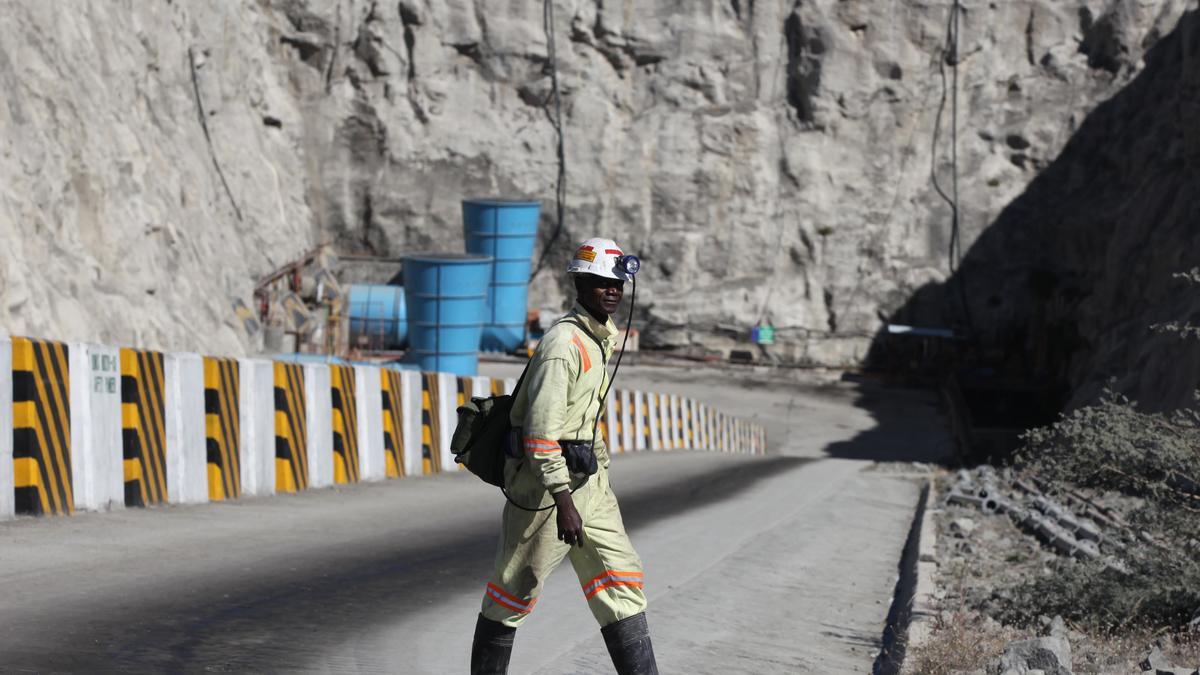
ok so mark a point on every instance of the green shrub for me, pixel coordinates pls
(1154, 580)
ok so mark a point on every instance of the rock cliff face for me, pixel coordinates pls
(767, 158)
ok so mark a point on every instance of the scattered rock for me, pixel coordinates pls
(1049, 654)
(962, 527)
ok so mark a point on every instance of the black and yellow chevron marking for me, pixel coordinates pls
(345, 424)
(464, 389)
(222, 428)
(431, 455)
(644, 404)
(291, 429)
(619, 432)
(41, 427)
(685, 423)
(143, 427)
(393, 423)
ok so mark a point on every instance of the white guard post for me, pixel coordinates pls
(611, 416)
(97, 464)
(655, 414)
(319, 414)
(187, 449)
(627, 418)
(369, 392)
(447, 416)
(257, 421)
(410, 396)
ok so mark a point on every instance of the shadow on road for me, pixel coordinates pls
(909, 426)
(277, 616)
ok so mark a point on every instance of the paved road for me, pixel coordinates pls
(780, 564)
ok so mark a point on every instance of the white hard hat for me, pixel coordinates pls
(600, 257)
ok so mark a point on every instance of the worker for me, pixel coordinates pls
(560, 466)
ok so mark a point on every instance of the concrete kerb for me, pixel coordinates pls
(925, 607)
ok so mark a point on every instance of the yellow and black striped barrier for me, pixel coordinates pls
(291, 429)
(615, 439)
(345, 424)
(41, 427)
(644, 406)
(222, 428)
(431, 450)
(463, 389)
(143, 427)
(393, 423)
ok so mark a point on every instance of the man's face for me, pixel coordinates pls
(598, 294)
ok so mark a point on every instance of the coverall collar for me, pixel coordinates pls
(600, 330)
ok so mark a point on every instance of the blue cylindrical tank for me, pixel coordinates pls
(377, 317)
(506, 231)
(446, 295)
(302, 358)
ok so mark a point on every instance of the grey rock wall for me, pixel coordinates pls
(767, 158)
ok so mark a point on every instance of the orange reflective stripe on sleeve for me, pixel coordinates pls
(610, 578)
(583, 353)
(541, 446)
(508, 601)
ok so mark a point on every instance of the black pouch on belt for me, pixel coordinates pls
(580, 457)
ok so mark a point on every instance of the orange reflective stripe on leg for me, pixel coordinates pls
(508, 601)
(609, 578)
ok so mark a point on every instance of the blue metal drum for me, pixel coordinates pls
(505, 230)
(377, 317)
(446, 295)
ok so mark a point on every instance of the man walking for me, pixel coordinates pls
(560, 504)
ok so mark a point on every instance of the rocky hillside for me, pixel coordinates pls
(768, 158)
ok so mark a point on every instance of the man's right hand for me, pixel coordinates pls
(570, 525)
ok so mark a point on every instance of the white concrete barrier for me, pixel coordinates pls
(97, 468)
(319, 415)
(187, 450)
(656, 421)
(627, 417)
(7, 499)
(676, 423)
(447, 417)
(369, 392)
(256, 419)
(481, 387)
(612, 423)
(411, 401)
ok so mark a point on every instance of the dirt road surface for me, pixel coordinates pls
(777, 564)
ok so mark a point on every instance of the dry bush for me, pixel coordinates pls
(1124, 651)
(959, 641)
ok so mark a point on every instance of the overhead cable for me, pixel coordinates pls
(560, 191)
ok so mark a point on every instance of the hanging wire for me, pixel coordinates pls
(560, 191)
(950, 90)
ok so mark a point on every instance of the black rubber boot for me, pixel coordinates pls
(629, 645)
(491, 648)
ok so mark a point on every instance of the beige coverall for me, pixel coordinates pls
(559, 400)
